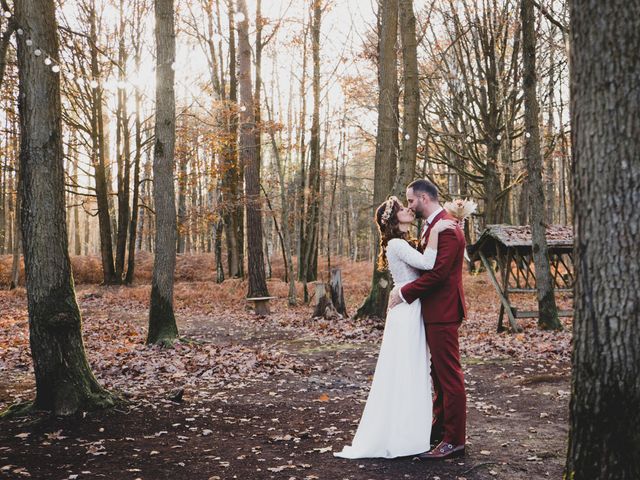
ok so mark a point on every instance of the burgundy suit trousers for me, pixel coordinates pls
(450, 402)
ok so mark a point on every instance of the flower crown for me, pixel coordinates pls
(388, 208)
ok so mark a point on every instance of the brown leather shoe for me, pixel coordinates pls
(442, 452)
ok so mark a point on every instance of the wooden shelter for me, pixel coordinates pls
(510, 247)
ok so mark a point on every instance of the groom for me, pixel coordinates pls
(443, 309)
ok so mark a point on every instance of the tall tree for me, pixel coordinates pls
(17, 240)
(312, 217)
(248, 157)
(162, 321)
(257, 84)
(302, 153)
(5, 40)
(386, 144)
(64, 381)
(475, 95)
(123, 153)
(99, 147)
(140, 9)
(410, 98)
(605, 103)
(232, 172)
(548, 316)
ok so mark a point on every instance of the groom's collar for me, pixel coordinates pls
(432, 217)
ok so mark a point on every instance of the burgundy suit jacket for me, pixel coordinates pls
(440, 289)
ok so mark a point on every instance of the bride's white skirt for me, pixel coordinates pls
(396, 420)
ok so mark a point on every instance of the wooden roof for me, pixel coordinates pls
(559, 238)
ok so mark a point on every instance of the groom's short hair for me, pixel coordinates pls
(425, 186)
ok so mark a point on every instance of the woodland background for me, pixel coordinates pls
(470, 126)
(161, 162)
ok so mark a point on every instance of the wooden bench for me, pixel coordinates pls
(261, 304)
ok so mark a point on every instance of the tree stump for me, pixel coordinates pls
(337, 292)
(324, 306)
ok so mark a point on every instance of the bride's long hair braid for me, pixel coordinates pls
(386, 219)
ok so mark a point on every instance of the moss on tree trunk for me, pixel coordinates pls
(64, 381)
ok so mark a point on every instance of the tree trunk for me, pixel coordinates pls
(492, 188)
(301, 207)
(284, 215)
(411, 98)
(183, 230)
(86, 235)
(4, 167)
(77, 243)
(548, 312)
(324, 307)
(238, 187)
(64, 381)
(98, 157)
(135, 241)
(312, 217)
(604, 442)
(217, 244)
(124, 157)
(332, 225)
(162, 322)
(257, 84)
(231, 184)
(550, 179)
(5, 41)
(248, 158)
(135, 209)
(17, 241)
(386, 147)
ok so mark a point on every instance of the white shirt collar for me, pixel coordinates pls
(434, 215)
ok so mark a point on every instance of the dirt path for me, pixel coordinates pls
(284, 425)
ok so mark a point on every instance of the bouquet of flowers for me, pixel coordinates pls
(460, 208)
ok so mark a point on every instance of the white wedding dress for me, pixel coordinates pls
(396, 421)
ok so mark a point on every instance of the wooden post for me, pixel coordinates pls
(505, 303)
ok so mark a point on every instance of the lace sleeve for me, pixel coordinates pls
(412, 257)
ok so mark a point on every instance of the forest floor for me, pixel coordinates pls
(273, 397)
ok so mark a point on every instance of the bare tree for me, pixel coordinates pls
(5, 40)
(410, 98)
(162, 322)
(309, 255)
(248, 158)
(99, 156)
(474, 99)
(548, 317)
(140, 9)
(64, 381)
(386, 145)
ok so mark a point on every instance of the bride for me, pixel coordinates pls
(396, 420)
